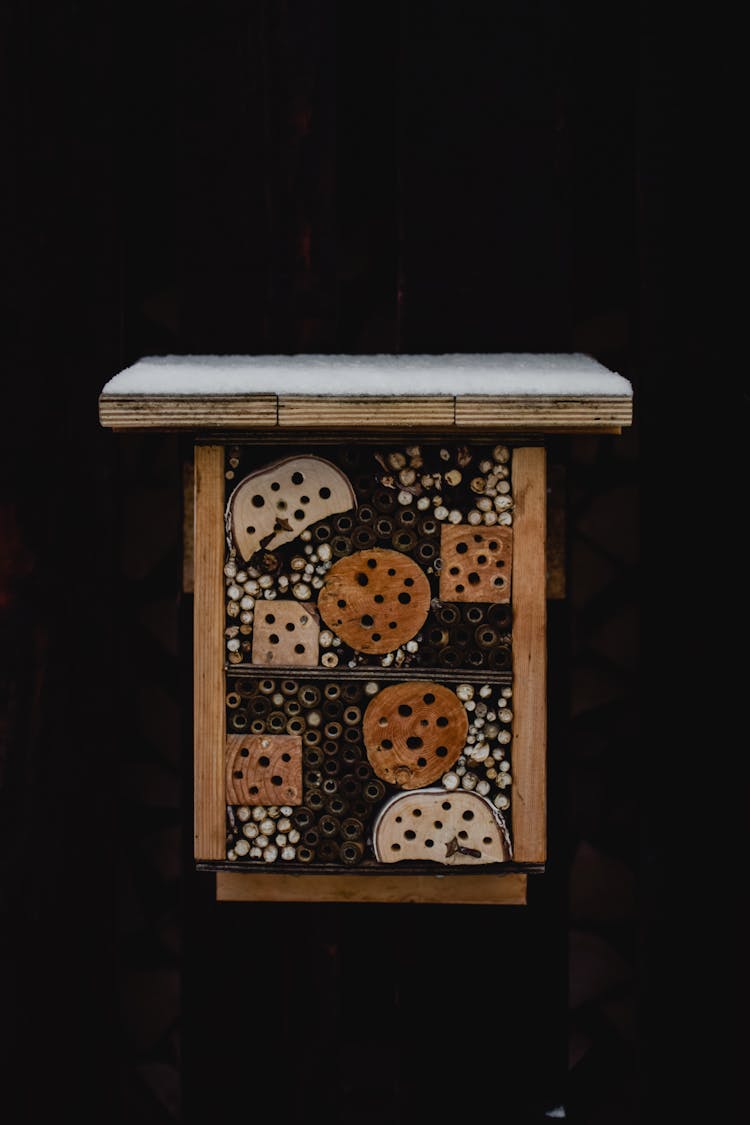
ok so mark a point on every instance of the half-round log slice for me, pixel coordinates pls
(414, 732)
(375, 600)
(272, 506)
(450, 828)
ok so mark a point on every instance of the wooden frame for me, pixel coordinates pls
(529, 708)
(503, 414)
(208, 654)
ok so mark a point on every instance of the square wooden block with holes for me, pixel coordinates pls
(477, 563)
(286, 633)
(264, 769)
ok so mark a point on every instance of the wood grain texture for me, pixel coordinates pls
(365, 410)
(455, 829)
(285, 633)
(375, 600)
(508, 890)
(529, 745)
(264, 769)
(537, 413)
(208, 653)
(188, 412)
(543, 412)
(414, 732)
(477, 563)
(272, 506)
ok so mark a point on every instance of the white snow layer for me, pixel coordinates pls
(511, 373)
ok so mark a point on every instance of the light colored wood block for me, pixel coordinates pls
(273, 505)
(508, 890)
(477, 563)
(285, 632)
(529, 656)
(456, 829)
(208, 654)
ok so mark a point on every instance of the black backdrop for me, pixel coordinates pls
(325, 177)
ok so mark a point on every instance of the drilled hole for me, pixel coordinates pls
(270, 618)
(460, 589)
(463, 835)
(421, 762)
(391, 571)
(446, 805)
(441, 721)
(299, 649)
(277, 779)
(429, 843)
(461, 548)
(481, 559)
(404, 598)
(474, 578)
(341, 603)
(404, 709)
(372, 563)
(250, 530)
(273, 638)
(376, 636)
(455, 570)
(379, 599)
(264, 761)
(442, 751)
(244, 752)
(367, 621)
(386, 744)
(258, 501)
(428, 697)
(299, 514)
(414, 743)
(468, 815)
(362, 578)
(275, 486)
(410, 834)
(324, 493)
(238, 773)
(438, 824)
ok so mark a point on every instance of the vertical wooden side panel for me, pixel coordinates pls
(208, 654)
(529, 656)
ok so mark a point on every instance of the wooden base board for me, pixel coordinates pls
(509, 890)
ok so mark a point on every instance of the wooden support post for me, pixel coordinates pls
(529, 656)
(208, 654)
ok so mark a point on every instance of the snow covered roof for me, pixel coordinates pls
(504, 390)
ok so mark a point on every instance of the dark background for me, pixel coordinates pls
(315, 176)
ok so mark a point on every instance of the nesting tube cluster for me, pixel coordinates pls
(339, 788)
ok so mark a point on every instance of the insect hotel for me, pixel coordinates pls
(369, 613)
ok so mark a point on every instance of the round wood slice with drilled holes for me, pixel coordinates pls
(451, 828)
(414, 732)
(273, 505)
(375, 600)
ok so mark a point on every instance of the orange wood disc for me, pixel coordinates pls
(375, 600)
(414, 732)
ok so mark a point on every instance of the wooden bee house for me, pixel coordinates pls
(369, 629)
